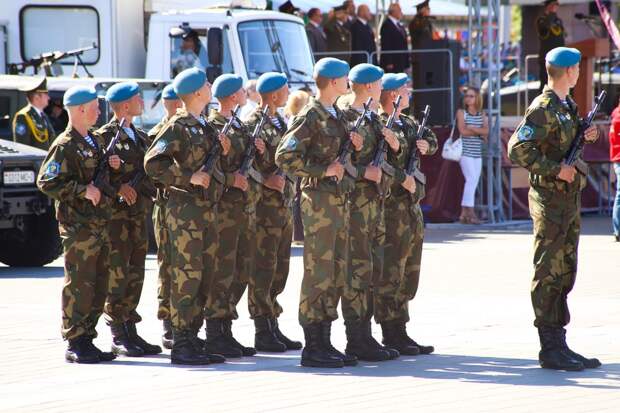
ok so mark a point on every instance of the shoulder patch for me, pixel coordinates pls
(526, 133)
(20, 128)
(160, 147)
(52, 170)
(291, 143)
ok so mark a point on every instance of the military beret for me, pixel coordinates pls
(120, 92)
(331, 68)
(227, 84)
(365, 73)
(270, 81)
(393, 81)
(79, 95)
(563, 57)
(189, 81)
(168, 93)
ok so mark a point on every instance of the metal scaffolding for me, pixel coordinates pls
(484, 72)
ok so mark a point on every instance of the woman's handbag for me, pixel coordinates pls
(452, 149)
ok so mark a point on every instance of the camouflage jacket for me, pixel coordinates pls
(132, 157)
(161, 196)
(181, 149)
(66, 172)
(542, 140)
(406, 134)
(272, 135)
(31, 129)
(310, 145)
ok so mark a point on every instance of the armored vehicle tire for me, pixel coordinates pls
(38, 244)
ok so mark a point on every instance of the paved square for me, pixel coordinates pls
(473, 305)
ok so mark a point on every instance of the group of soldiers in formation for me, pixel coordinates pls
(223, 189)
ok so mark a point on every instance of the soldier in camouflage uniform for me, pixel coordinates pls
(236, 224)
(127, 227)
(175, 162)
(171, 103)
(274, 222)
(404, 224)
(309, 150)
(540, 144)
(31, 125)
(83, 213)
(367, 225)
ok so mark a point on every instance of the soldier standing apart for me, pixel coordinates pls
(127, 227)
(83, 213)
(171, 103)
(367, 225)
(539, 144)
(274, 222)
(551, 34)
(338, 36)
(309, 150)
(236, 224)
(31, 126)
(404, 223)
(175, 162)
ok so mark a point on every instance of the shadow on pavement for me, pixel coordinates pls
(31, 272)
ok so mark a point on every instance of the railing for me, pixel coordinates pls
(527, 73)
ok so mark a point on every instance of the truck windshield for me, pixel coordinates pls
(276, 46)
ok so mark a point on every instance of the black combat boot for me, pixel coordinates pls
(394, 353)
(265, 338)
(200, 346)
(592, 363)
(80, 351)
(290, 344)
(132, 332)
(393, 338)
(217, 342)
(185, 352)
(402, 328)
(314, 354)
(166, 338)
(227, 328)
(122, 345)
(326, 334)
(103, 355)
(551, 355)
(359, 346)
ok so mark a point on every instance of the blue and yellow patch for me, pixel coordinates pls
(526, 133)
(52, 170)
(159, 147)
(291, 144)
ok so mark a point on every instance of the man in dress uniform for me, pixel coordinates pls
(551, 34)
(32, 126)
(338, 35)
(420, 27)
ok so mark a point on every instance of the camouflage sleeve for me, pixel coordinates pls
(524, 145)
(397, 159)
(292, 150)
(163, 160)
(430, 137)
(57, 177)
(116, 175)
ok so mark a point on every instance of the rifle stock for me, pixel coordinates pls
(413, 151)
(101, 171)
(574, 153)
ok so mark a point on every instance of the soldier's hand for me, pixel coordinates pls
(335, 169)
(275, 182)
(225, 142)
(201, 178)
(128, 194)
(241, 182)
(260, 145)
(356, 140)
(567, 173)
(114, 161)
(93, 194)
(422, 146)
(409, 184)
(391, 140)
(591, 134)
(373, 174)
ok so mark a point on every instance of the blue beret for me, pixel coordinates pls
(120, 92)
(563, 57)
(331, 68)
(270, 81)
(393, 81)
(365, 73)
(168, 93)
(227, 84)
(189, 81)
(78, 95)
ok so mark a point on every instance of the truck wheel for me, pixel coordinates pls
(34, 246)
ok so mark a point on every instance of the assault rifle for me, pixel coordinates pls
(412, 170)
(347, 146)
(100, 178)
(216, 150)
(250, 149)
(46, 62)
(379, 157)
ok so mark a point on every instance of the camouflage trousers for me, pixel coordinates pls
(128, 246)
(236, 226)
(556, 237)
(366, 239)
(86, 251)
(191, 226)
(404, 233)
(326, 222)
(274, 233)
(163, 261)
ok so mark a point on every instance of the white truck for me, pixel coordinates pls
(243, 40)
